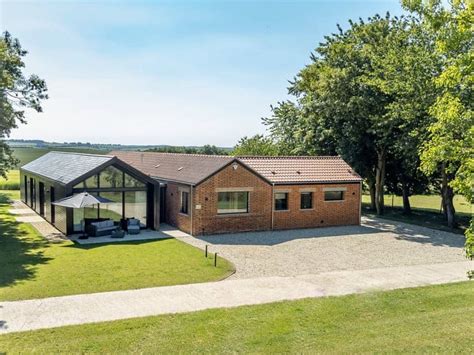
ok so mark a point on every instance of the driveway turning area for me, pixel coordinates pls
(376, 243)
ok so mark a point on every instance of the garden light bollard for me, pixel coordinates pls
(206, 250)
(215, 260)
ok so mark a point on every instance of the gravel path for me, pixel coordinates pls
(98, 307)
(376, 243)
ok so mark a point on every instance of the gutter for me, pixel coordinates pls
(273, 203)
(191, 198)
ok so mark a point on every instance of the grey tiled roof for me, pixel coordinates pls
(65, 167)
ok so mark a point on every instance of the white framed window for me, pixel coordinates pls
(232, 202)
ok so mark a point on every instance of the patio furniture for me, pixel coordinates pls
(133, 226)
(83, 200)
(99, 229)
(119, 233)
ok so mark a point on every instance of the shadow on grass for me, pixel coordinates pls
(425, 218)
(113, 243)
(19, 255)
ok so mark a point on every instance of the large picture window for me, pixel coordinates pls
(135, 206)
(281, 201)
(184, 202)
(111, 210)
(333, 195)
(110, 177)
(132, 182)
(128, 196)
(233, 202)
(306, 200)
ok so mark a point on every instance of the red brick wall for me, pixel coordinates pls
(323, 213)
(207, 221)
(173, 205)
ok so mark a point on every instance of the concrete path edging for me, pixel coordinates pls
(52, 312)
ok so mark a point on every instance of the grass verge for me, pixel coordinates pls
(31, 267)
(426, 319)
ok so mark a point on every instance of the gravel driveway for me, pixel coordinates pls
(376, 243)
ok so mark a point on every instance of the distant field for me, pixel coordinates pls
(27, 154)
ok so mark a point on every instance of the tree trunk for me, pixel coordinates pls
(406, 199)
(379, 182)
(372, 194)
(447, 195)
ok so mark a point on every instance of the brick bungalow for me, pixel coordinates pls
(206, 194)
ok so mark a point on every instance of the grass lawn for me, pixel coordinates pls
(425, 202)
(12, 182)
(427, 319)
(31, 267)
(425, 211)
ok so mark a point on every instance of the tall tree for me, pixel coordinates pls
(17, 93)
(365, 94)
(256, 145)
(450, 147)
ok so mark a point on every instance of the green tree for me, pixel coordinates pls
(365, 96)
(17, 93)
(450, 147)
(212, 150)
(256, 145)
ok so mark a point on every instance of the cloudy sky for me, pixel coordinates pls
(178, 72)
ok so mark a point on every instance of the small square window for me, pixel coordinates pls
(333, 195)
(306, 200)
(281, 201)
(184, 202)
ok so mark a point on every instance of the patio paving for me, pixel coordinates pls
(144, 235)
(25, 214)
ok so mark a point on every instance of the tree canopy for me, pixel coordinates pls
(17, 94)
(365, 96)
(256, 145)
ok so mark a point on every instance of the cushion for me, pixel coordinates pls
(109, 223)
(133, 222)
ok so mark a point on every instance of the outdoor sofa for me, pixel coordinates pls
(101, 228)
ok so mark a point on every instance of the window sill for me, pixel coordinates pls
(334, 201)
(183, 214)
(306, 209)
(243, 214)
(288, 210)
